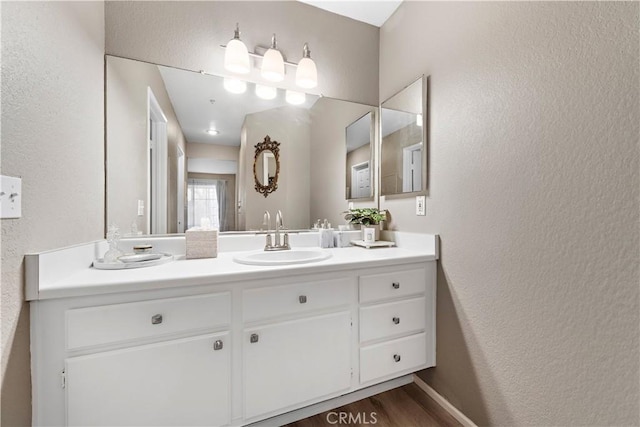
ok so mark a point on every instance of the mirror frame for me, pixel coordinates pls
(261, 147)
(424, 103)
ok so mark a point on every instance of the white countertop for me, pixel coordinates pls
(83, 280)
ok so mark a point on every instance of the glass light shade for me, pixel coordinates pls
(266, 92)
(235, 85)
(236, 57)
(295, 98)
(307, 74)
(273, 66)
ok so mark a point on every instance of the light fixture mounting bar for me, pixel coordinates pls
(257, 55)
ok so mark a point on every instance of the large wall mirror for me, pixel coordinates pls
(403, 151)
(181, 146)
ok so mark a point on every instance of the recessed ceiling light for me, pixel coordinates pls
(213, 131)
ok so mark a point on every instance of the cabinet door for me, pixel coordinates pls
(293, 362)
(180, 382)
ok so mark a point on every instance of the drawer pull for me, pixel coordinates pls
(396, 285)
(156, 319)
(396, 357)
(218, 344)
(396, 320)
(302, 299)
(254, 338)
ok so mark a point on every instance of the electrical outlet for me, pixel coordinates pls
(10, 197)
(421, 209)
(140, 207)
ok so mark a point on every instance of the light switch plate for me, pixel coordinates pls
(350, 205)
(10, 197)
(140, 207)
(421, 209)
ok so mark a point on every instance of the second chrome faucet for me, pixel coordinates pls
(281, 239)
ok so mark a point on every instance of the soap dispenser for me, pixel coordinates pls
(326, 235)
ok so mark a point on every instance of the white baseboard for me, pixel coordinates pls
(444, 403)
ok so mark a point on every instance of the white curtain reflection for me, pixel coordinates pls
(206, 198)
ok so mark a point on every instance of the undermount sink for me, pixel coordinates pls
(293, 256)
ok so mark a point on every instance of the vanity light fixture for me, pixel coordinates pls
(236, 57)
(213, 131)
(235, 85)
(273, 63)
(266, 92)
(307, 73)
(236, 60)
(295, 98)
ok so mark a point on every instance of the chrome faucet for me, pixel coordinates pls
(278, 246)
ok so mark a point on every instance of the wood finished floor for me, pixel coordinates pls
(406, 406)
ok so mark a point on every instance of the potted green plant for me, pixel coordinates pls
(367, 218)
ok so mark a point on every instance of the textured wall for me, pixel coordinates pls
(188, 34)
(52, 136)
(534, 190)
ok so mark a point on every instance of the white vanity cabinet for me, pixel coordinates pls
(182, 381)
(178, 382)
(307, 356)
(234, 350)
(397, 322)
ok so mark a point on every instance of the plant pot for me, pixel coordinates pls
(371, 233)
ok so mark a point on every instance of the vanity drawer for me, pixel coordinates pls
(401, 355)
(109, 324)
(387, 320)
(265, 303)
(377, 287)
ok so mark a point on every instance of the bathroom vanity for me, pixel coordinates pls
(215, 342)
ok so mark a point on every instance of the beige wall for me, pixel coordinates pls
(52, 137)
(329, 119)
(534, 190)
(127, 152)
(187, 35)
(290, 126)
(212, 151)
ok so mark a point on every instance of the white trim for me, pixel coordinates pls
(336, 402)
(158, 205)
(407, 168)
(444, 403)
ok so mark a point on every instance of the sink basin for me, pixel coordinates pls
(293, 256)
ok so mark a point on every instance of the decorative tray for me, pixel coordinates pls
(376, 244)
(101, 265)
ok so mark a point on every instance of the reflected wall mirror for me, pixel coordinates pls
(180, 146)
(403, 151)
(266, 166)
(359, 158)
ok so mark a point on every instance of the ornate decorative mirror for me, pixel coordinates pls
(266, 166)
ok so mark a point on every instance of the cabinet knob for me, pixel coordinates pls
(302, 299)
(218, 344)
(396, 320)
(156, 319)
(396, 357)
(254, 338)
(396, 285)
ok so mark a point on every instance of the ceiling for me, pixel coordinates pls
(374, 12)
(201, 102)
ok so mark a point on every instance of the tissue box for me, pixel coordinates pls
(201, 243)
